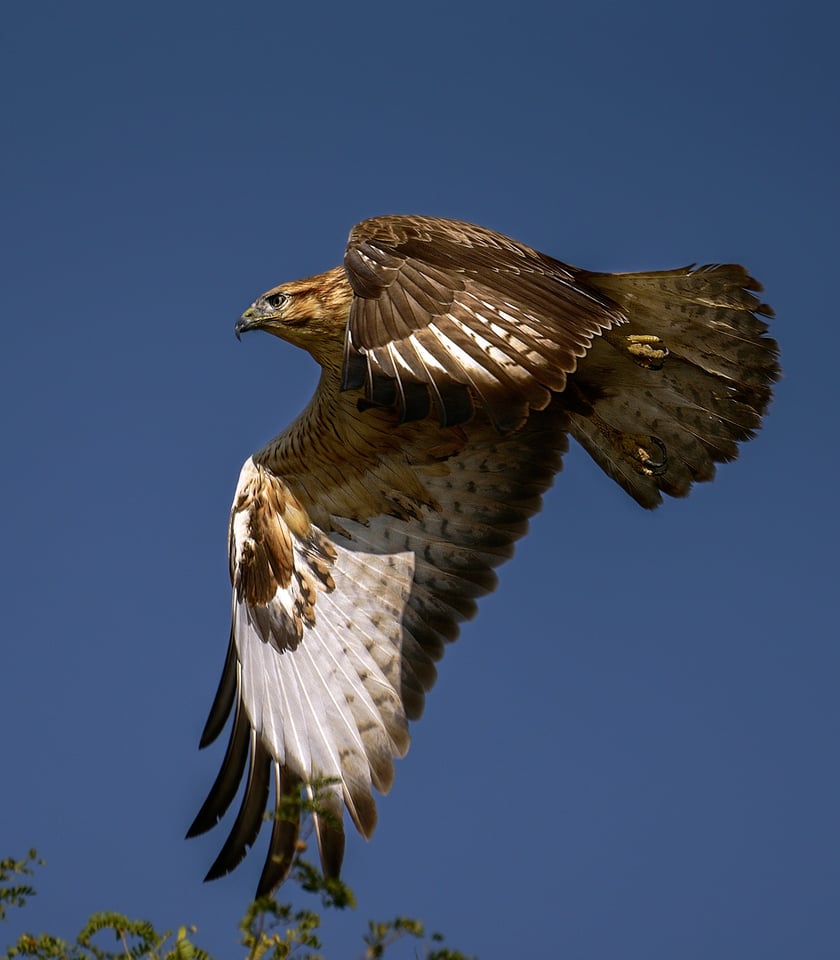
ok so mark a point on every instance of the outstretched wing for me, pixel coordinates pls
(446, 313)
(336, 632)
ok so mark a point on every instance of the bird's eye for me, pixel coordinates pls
(276, 300)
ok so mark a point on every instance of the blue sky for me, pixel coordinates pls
(590, 779)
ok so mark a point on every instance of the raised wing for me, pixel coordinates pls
(446, 313)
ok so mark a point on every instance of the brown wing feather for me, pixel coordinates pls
(452, 307)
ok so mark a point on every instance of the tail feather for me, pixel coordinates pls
(659, 400)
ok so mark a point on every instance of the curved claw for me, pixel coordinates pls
(637, 447)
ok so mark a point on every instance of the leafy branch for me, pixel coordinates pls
(270, 930)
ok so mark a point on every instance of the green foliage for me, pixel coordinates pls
(380, 936)
(273, 930)
(270, 930)
(335, 894)
(134, 939)
(17, 894)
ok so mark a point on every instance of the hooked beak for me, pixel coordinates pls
(252, 319)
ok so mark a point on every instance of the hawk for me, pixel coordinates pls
(455, 363)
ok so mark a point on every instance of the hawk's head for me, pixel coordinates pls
(308, 313)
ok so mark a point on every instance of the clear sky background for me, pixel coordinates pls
(632, 752)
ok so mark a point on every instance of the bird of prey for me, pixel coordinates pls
(455, 363)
